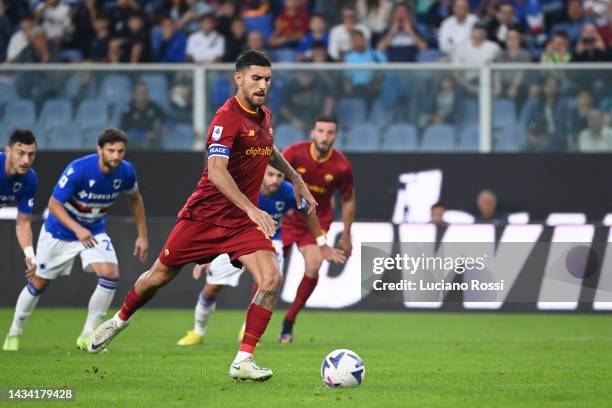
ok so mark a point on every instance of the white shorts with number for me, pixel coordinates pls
(222, 272)
(54, 257)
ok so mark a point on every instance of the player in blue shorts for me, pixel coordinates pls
(84, 194)
(18, 183)
(276, 198)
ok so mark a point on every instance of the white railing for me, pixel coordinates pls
(200, 72)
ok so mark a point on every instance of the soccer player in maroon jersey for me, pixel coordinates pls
(324, 169)
(222, 216)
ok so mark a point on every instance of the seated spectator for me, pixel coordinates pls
(6, 29)
(557, 50)
(573, 21)
(178, 11)
(55, 17)
(504, 21)
(40, 50)
(579, 116)
(598, 11)
(181, 102)
(554, 111)
(455, 30)
(235, 43)
(487, 208)
(83, 21)
(143, 119)
(444, 107)
(437, 214)
(173, 44)
(319, 53)
(402, 42)
(206, 45)
(606, 30)
(255, 41)
(318, 32)
(119, 16)
(133, 47)
(290, 26)
(21, 38)
(596, 137)
(363, 83)
(305, 98)
(228, 12)
(340, 36)
(477, 50)
(375, 15)
(590, 46)
(511, 83)
(97, 50)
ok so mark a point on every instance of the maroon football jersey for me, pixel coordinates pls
(322, 177)
(245, 137)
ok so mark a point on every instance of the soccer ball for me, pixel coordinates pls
(342, 368)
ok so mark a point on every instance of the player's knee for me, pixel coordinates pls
(39, 283)
(313, 263)
(111, 272)
(271, 282)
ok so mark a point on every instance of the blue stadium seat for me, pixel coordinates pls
(89, 135)
(285, 55)
(285, 134)
(509, 138)
(438, 138)
(351, 111)
(504, 113)
(55, 113)
(179, 138)
(92, 112)
(65, 137)
(7, 91)
(363, 138)
(468, 112)
(158, 89)
(19, 113)
(400, 137)
(264, 24)
(469, 139)
(380, 115)
(116, 88)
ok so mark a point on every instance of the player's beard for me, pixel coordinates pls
(323, 149)
(110, 165)
(256, 104)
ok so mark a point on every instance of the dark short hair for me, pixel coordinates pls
(437, 204)
(22, 136)
(326, 119)
(207, 16)
(112, 135)
(252, 57)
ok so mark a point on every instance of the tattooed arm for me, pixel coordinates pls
(299, 187)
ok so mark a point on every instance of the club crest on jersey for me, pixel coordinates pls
(280, 205)
(217, 132)
(82, 194)
(116, 184)
(251, 133)
(301, 170)
(16, 187)
(92, 182)
(328, 177)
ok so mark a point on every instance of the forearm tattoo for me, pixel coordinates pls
(266, 299)
(281, 164)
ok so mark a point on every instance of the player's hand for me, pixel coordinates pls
(346, 245)
(300, 190)
(87, 239)
(199, 269)
(263, 221)
(30, 268)
(141, 248)
(333, 255)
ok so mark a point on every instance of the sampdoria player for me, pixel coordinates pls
(84, 194)
(221, 215)
(324, 169)
(276, 198)
(18, 183)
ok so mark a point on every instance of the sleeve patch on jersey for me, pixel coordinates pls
(217, 132)
(218, 150)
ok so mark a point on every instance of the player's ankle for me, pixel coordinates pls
(241, 356)
(120, 322)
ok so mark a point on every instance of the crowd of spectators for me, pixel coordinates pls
(205, 31)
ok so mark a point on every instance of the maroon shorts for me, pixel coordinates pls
(200, 242)
(298, 234)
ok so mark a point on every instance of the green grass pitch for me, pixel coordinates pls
(412, 359)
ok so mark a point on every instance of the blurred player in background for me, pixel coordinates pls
(18, 183)
(84, 194)
(324, 170)
(221, 216)
(276, 198)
